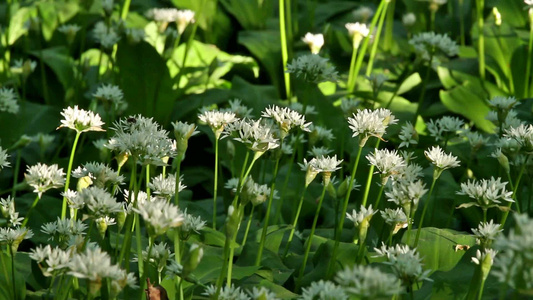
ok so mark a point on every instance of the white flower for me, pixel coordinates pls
(81, 120)
(100, 174)
(168, 15)
(363, 13)
(183, 18)
(394, 217)
(503, 103)
(166, 186)
(349, 106)
(159, 215)
(407, 194)
(52, 261)
(486, 232)
(481, 256)
(7, 210)
(319, 133)
(364, 215)
(323, 290)
(217, 120)
(445, 127)
(369, 123)
(226, 293)
(3, 159)
(440, 159)
(408, 19)
(366, 282)
(405, 262)
(256, 135)
(324, 165)
(357, 31)
(99, 203)
(429, 44)
(299, 107)
(486, 193)
(69, 29)
(314, 41)
(286, 119)
(408, 135)
(61, 231)
(111, 95)
(191, 224)
(14, 236)
(8, 101)
(523, 134)
(106, 36)
(42, 177)
(312, 68)
(262, 293)
(388, 162)
(319, 151)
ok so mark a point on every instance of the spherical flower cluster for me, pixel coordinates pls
(100, 174)
(367, 123)
(406, 263)
(286, 119)
(394, 217)
(51, 261)
(312, 68)
(407, 194)
(166, 186)
(366, 282)
(523, 134)
(487, 193)
(314, 41)
(256, 135)
(323, 164)
(14, 236)
(408, 19)
(106, 36)
(98, 202)
(81, 120)
(440, 160)
(42, 177)
(363, 13)
(388, 162)
(357, 32)
(8, 101)
(111, 95)
(159, 215)
(486, 232)
(217, 120)
(429, 44)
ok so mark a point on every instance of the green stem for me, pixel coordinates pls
(481, 41)
(147, 181)
(215, 186)
(338, 229)
(423, 92)
(419, 229)
(177, 256)
(67, 181)
(369, 179)
(461, 22)
(351, 72)
(220, 279)
(10, 249)
(515, 190)
(311, 235)
(374, 49)
(387, 43)
(269, 207)
(432, 14)
(128, 224)
(178, 174)
(364, 45)
(380, 193)
(295, 222)
(139, 244)
(284, 46)
(26, 218)
(16, 174)
(125, 9)
(248, 226)
(232, 248)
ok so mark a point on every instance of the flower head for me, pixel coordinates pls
(445, 128)
(366, 282)
(42, 177)
(14, 236)
(8, 101)
(367, 123)
(406, 263)
(101, 175)
(357, 32)
(408, 19)
(324, 290)
(486, 193)
(314, 41)
(312, 68)
(107, 36)
(429, 44)
(286, 119)
(159, 215)
(486, 232)
(364, 215)
(112, 96)
(363, 13)
(217, 120)
(81, 120)
(166, 186)
(323, 164)
(408, 135)
(388, 162)
(395, 217)
(98, 202)
(256, 135)
(3, 159)
(407, 194)
(52, 261)
(440, 160)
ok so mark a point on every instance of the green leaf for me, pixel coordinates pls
(409, 83)
(16, 24)
(518, 69)
(60, 61)
(146, 83)
(273, 238)
(251, 14)
(437, 247)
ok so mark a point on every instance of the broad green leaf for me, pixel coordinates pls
(60, 61)
(251, 14)
(16, 24)
(22, 261)
(518, 70)
(409, 83)
(437, 247)
(146, 83)
(273, 238)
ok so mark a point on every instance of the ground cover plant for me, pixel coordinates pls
(260, 149)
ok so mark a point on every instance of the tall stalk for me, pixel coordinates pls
(295, 222)
(374, 49)
(369, 179)
(527, 88)
(387, 43)
(423, 92)
(421, 222)
(481, 40)
(338, 229)
(215, 186)
(283, 18)
(69, 169)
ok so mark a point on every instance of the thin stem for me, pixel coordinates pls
(139, 244)
(481, 287)
(389, 26)
(423, 92)
(284, 47)
(69, 169)
(269, 207)
(481, 40)
(374, 49)
(515, 190)
(215, 186)
(125, 9)
(461, 22)
(380, 193)
(177, 256)
(26, 218)
(178, 174)
(338, 229)
(311, 235)
(351, 72)
(369, 179)
(295, 222)
(248, 226)
(16, 174)
(232, 248)
(10, 249)
(419, 229)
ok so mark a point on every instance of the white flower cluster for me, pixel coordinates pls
(323, 164)
(111, 95)
(314, 41)
(236, 293)
(388, 162)
(256, 135)
(3, 159)
(487, 193)
(408, 135)
(42, 177)
(107, 36)
(80, 120)
(169, 15)
(367, 123)
(440, 159)
(312, 68)
(62, 231)
(286, 119)
(445, 128)
(323, 290)
(159, 215)
(430, 44)
(98, 202)
(100, 174)
(218, 120)
(366, 282)
(357, 32)
(406, 263)
(363, 215)
(486, 232)
(7, 209)
(166, 186)
(8, 101)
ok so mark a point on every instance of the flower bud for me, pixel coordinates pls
(192, 259)
(232, 222)
(83, 183)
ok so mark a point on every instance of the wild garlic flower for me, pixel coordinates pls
(324, 290)
(314, 41)
(503, 104)
(487, 193)
(255, 193)
(440, 160)
(106, 36)
(174, 269)
(7, 210)
(69, 29)
(135, 35)
(361, 220)
(81, 120)
(286, 119)
(51, 261)
(429, 44)
(357, 32)
(409, 19)
(485, 258)
(410, 172)
(523, 134)
(101, 175)
(191, 224)
(95, 265)
(405, 262)
(142, 138)
(349, 106)
(42, 178)
(512, 266)
(299, 107)
(388, 162)
(395, 218)
(159, 215)
(476, 140)
(240, 110)
(183, 18)
(511, 120)
(322, 164)
(166, 186)
(8, 101)
(255, 135)
(169, 15)
(408, 135)
(226, 293)
(445, 128)
(99, 202)
(319, 151)
(3, 159)
(262, 293)
(366, 282)
(159, 255)
(23, 68)
(14, 236)
(217, 120)
(112, 96)
(407, 194)
(367, 123)
(318, 133)
(183, 132)
(312, 68)
(61, 231)
(485, 233)
(363, 13)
